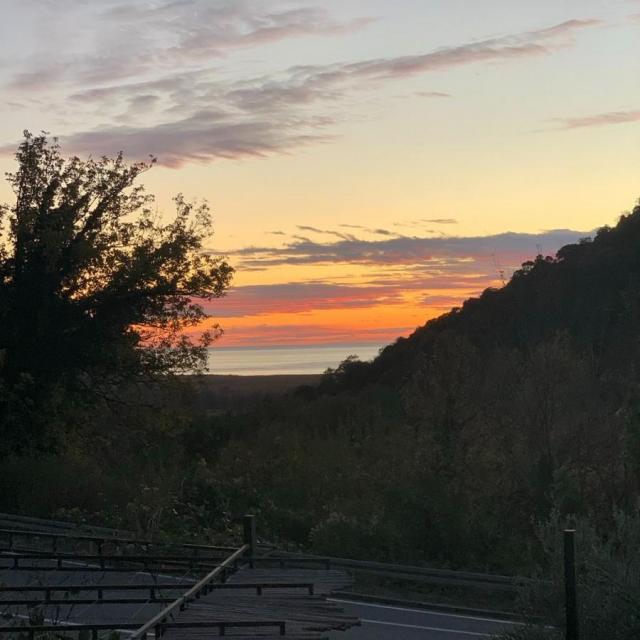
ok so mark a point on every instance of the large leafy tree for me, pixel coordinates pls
(95, 289)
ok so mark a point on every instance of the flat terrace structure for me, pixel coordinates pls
(78, 585)
(297, 596)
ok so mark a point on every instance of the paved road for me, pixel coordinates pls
(383, 622)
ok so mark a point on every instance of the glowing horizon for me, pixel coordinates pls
(369, 167)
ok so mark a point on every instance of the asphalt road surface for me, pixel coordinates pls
(385, 622)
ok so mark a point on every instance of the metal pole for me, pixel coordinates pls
(249, 531)
(571, 598)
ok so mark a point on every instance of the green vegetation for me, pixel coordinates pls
(95, 291)
(521, 407)
(608, 572)
(453, 442)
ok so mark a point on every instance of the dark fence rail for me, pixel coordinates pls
(442, 577)
(154, 590)
(94, 629)
(20, 527)
(10, 520)
(10, 536)
(159, 621)
(16, 560)
(217, 568)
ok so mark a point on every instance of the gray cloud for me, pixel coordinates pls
(530, 43)
(136, 38)
(432, 94)
(200, 117)
(599, 119)
(403, 250)
(439, 272)
(440, 220)
(377, 232)
(337, 234)
(305, 84)
(199, 138)
(205, 28)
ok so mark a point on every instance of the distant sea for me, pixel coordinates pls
(285, 360)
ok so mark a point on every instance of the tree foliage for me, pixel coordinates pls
(452, 441)
(95, 289)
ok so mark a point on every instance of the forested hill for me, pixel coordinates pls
(589, 291)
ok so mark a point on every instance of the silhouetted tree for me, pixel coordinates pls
(94, 289)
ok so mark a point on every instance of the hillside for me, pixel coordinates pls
(589, 291)
(520, 405)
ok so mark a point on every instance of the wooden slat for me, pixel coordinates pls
(194, 592)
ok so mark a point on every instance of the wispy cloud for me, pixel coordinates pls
(599, 119)
(432, 94)
(303, 297)
(137, 38)
(329, 232)
(406, 250)
(198, 116)
(527, 44)
(199, 138)
(376, 232)
(417, 278)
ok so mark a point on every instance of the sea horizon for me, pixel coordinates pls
(285, 359)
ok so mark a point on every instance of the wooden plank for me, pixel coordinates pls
(183, 600)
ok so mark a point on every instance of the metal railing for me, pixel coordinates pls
(154, 591)
(29, 522)
(159, 621)
(99, 541)
(17, 559)
(94, 629)
(442, 577)
(247, 553)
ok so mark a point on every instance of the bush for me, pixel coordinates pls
(608, 577)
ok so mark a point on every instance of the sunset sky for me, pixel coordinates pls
(369, 163)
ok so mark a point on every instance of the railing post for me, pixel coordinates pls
(249, 533)
(571, 598)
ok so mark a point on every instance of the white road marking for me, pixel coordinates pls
(427, 611)
(417, 626)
